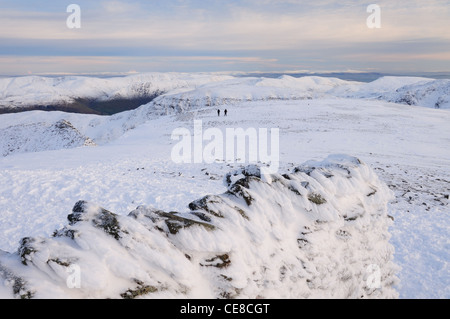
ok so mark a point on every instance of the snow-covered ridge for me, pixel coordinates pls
(23, 92)
(316, 232)
(244, 89)
(181, 91)
(403, 90)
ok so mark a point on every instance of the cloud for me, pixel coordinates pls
(401, 57)
(290, 32)
(247, 25)
(120, 7)
(23, 65)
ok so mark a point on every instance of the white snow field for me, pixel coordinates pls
(312, 233)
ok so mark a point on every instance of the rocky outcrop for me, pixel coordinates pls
(319, 231)
(41, 137)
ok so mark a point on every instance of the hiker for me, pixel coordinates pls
(218, 112)
(226, 111)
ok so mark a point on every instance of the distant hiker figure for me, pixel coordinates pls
(226, 112)
(218, 112)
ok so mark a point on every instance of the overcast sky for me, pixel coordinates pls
(223, 35)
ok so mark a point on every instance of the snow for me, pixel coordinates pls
(406, 146)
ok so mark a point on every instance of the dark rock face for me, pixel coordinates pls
(170, 222)
(102, 219)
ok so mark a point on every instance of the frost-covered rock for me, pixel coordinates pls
(41, 136)
(320, 231)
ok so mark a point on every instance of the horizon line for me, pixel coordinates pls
(231, 73)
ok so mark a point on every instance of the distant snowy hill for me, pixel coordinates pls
(320, 231)
(79, 94)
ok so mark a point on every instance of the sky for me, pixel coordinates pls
(125, 37)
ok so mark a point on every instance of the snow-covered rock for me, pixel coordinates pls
(40, 136)
(320, 231)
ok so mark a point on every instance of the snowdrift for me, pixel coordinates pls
(318, 231)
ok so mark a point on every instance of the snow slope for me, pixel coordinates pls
(311, 233)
